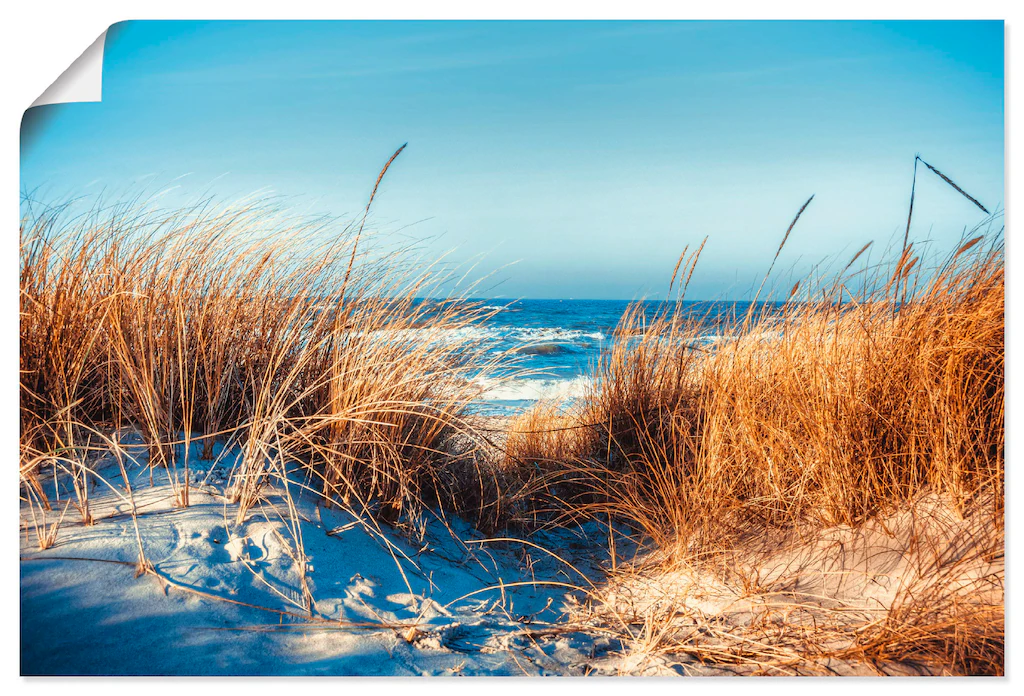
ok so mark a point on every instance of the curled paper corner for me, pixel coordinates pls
(82, 81)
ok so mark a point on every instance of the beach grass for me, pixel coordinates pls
(245, 326)
(867, 410)
(862, 395)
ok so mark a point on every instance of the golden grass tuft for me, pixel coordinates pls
(245, 325)
(829, 417)
(829, 410)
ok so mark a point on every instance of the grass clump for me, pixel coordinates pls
(300, 341)
(841, 406)
(806, 440)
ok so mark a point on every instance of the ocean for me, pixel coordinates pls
(558, 343)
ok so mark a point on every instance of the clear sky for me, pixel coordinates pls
(589, 153)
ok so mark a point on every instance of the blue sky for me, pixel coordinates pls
(588, 153)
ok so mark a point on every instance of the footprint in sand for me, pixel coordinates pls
(241, 548)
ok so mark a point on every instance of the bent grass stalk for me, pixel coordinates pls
(311, 348)
(834, 410)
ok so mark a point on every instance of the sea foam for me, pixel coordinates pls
(535, 389)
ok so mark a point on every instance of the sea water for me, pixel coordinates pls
(556, 344)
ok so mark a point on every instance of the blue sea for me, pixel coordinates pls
(558, 343)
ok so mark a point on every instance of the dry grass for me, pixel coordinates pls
(281, 335)
(286, 339)
(829, 417)
(833, 410)
(880, 385)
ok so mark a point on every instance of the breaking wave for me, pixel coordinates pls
(524, 389)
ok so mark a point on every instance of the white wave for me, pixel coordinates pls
(552, 335)
(534, 389)
(515, 334)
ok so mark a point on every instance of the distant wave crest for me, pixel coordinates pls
(517, 334)
(522, 389)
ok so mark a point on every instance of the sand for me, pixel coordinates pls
(803, 602)
(386, 601)
(441, 599)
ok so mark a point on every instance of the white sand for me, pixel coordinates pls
(789, 594)
(438, 603)
(94, 617)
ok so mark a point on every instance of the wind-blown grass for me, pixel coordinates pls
(242, 324)
(843, 406)
(867, 397)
